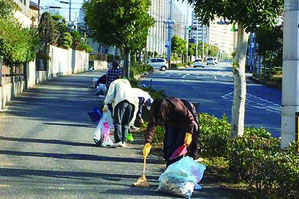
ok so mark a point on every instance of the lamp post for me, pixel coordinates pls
(290, 69)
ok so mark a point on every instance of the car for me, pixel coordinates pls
(198, 63)
(158, 63)
(210, 60)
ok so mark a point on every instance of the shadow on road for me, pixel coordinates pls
(78, 156)
(45, 141)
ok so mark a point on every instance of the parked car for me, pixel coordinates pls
(198, 63)
(158, 63)
(210, 60)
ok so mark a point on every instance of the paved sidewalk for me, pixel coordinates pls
(47, 151)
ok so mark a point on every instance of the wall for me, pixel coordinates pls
(62, 62)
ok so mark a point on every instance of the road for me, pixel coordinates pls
(47, 151)
(212, 87)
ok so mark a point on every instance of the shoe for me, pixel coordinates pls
(123, 144)
(118, 144)
(134, 128)
(199, 160)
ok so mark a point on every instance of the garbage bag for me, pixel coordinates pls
(102, 133)
(101, 89)
(95, 115)
(182, 177)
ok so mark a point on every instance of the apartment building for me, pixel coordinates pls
(27, 15)
(218, 33)
(158, 34)
(199, 31)
(221, 35)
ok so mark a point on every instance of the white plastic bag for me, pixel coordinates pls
(102, 133)
(181, 177)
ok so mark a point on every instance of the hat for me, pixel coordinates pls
(149, 102)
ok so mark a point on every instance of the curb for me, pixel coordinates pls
(263, 83)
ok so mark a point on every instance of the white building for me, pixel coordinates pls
(221, 35)
(199, 31)
(158, 34)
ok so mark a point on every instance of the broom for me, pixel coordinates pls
(142, 181)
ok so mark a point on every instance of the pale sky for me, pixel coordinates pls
(76, 4)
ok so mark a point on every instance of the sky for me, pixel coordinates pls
(76, 4)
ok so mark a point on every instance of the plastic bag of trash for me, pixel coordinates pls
(102, 133)
(182, 177)
(101, 89)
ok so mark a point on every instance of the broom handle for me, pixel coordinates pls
(144, 164)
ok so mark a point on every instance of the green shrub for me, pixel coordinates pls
(213, 135)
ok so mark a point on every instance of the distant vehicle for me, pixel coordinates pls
(210, 60)
(198, 63)
(215, 61)
(158, 63)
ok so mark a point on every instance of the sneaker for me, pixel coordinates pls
(123, 144)
(118, 144)
(134, 128)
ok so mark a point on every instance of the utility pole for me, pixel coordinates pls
(70, 10)
(290, 70)
(187, 31)
(170, 23)
(202, 41)
(38, 12)
(196, 43)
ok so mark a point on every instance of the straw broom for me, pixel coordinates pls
(142, 181)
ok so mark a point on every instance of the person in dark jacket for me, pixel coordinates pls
(181, 127)
(113, 73)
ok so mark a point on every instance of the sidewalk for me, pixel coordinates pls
(47, 150)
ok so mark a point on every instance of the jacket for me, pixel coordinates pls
(121, 90)
(177, 115)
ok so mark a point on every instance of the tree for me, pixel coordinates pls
(178, 45)
(248, 15)
(17, 44)
(124, 24)
(270, 45)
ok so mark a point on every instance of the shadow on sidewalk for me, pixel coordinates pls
(78, 156)
(45, 141)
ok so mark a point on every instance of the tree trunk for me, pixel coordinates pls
(127, 63)
(238, 108)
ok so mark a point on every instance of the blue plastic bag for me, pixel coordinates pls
(182, 177)
(95, 115)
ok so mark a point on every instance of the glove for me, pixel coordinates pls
(188, 139)
(146, 150)
(105, 108)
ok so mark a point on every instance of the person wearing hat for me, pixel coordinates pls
(145, 100)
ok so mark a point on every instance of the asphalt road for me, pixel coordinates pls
(212, 87)
(47, 151)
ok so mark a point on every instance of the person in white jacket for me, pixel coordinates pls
(125, 106)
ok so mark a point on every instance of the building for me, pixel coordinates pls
(218, 33)
(158, 34)
(221, 35)
(199, 31)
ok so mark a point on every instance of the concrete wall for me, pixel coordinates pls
(100, 65)
(62, 62)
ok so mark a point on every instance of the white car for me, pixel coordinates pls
(198, 63)
(158, 63)
(210, 60)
